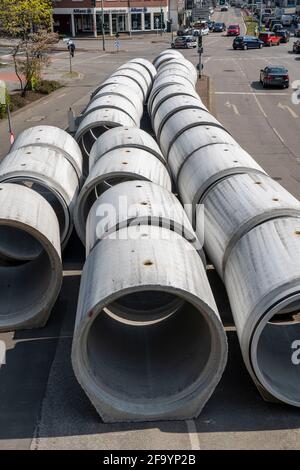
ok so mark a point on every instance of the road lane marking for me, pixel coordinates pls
(278, 135)
(287, 108)
(193, 435)
(259, 105)
(232, 106)
(249, 93)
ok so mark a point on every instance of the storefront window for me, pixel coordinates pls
(147, 20)
(83, 23)
(118, 22)
(136, 21)
(99, 23)
(158, 20)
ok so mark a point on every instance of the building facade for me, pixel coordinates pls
(85, 17)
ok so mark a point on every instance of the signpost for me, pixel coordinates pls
(200, 52)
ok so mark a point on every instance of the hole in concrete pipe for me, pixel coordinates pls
(150, 363)
(272, 351)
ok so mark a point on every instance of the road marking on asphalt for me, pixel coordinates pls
(93, 58)
(232, 106)
(193, 435)
(249, 93)
(75, 272)
(260, 106)
(287, 108)
(61, 96)
(278, 135)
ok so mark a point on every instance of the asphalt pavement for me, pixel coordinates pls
(41, 404)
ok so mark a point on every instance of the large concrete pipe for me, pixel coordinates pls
(113, 168)
(123, 91)
(166, 56)
(178, 62)
(134, 76)
(147, 65)
(95, 124)
(137, 203)
(119, 103)
(164, 369)
(262, 278)
(177, 72)
(172, 106)
(169, 92)
(180, 122)
(139, 68)
(206, 167)
(194, 139)
(28, 290)
(121, 80)
(50, 173)
(173, 67)
(53, 137)
(163, 82)
(124, 137)
(237, 204)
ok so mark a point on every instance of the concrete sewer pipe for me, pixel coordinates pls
(29, 288)
(49, 172)
(148, 341)
(251, 233)
(118, 101)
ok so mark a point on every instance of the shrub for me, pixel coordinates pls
(47, 86)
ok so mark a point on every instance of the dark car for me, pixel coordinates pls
(274, 76)
(210, 25)
(296, 46)
(184, 32)
(276, 27)
(268, 21)
(283, 34)
(224, 9)
(247, 42)
(219, 27)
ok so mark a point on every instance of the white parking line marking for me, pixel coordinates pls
(278, 135)
(193, 435)
(286, 107)
(249, 93)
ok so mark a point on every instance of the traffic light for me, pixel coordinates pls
(222, 2)
(200, 42)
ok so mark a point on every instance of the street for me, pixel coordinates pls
(41, 404)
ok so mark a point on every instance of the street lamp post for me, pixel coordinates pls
(102, 21)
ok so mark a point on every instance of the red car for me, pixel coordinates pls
(233, 30)
(269, 38)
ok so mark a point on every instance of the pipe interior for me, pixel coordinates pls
(17, 246)
(25, 286)
(89, 138)
(150, 362)
(145, 306)
(275, 352)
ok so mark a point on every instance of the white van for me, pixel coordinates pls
(286, 20)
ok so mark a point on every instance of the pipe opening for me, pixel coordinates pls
(17, 246)
(276, 360)
(145, 307)
(151, 363)
(25, 287)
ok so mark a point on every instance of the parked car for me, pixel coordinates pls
(274, 76)
(286, 20)
(296, 46)
(233, 30)
(269, 38)
(203, 29)
(276, 27)
(274, 23)
(297, 30)
(184, 42)
(284, 35)
(184, 32)
(219, 27)
(247, 42)
(225, 8)
(210, 25)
